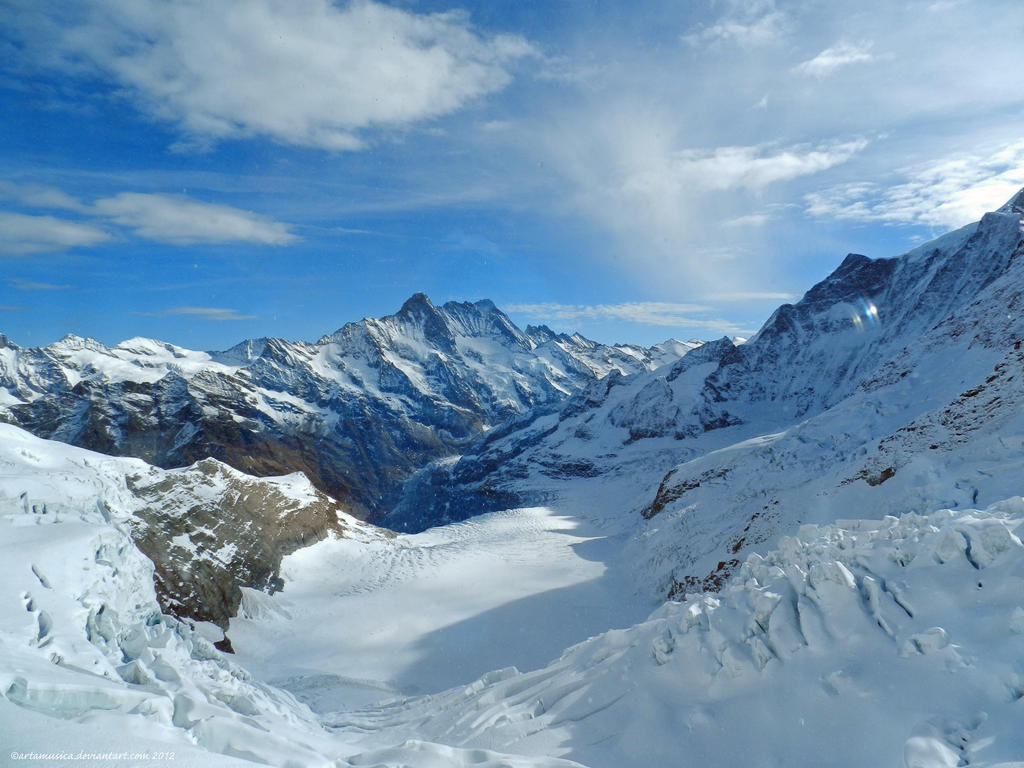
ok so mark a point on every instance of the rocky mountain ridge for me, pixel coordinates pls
(891, 386)
(357, 412)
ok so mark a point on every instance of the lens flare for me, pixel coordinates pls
(865, 316)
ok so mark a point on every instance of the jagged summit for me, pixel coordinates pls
(1014, 205)
(418, 302)
(872, 343)
(74, 341)
(357, 411)
(439, 323)
(242, 353)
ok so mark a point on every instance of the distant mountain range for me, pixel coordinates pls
(892, 383)
(357, 412)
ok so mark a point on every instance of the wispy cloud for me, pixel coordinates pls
(562, 69)
(174, 219)
(752, 167)
(217, 314)
(21, 235)
(39, 196)
(838, 56)
(660, 313)
(753, 296)
(665, 205)
(749, 220)
(948, 193)
(315, 75)
(746, 24)
(185, 221)
(354, 231)
(666, 157)
(30, 285)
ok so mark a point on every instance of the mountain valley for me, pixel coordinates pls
(435, 539)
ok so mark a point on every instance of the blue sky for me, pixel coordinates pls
(204, 172)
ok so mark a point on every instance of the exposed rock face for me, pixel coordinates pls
(357, 412)
(211, 530)
(208, 529)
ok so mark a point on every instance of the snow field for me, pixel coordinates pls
(889, 642)
(82, 637)
(358, 622)
(89, 665)
(892, 642)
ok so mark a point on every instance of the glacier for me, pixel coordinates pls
(804, 549)
(855, 642)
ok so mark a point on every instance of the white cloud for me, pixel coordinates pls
(217, 314)
(496, 126)
(749, 220)
(31, 285)
(174, 219)
(753, 296)
(948, 193)
(666, 159)
(184, 221)
(839, 55)
(21, 235)
(725, 168)
(630, 173)
(312, 74)
(562, 69)
(746, 24)
(39, 196)
(660, 313)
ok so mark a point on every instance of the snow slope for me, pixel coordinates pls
(83, 639)
(88, 664)
(893, 642)
(862, 642)
(359, 622)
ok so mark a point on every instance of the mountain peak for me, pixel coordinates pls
(242, 353)
(419, 312)
(1015, 204)
(72, 343)
(852, 260)
(419, 301)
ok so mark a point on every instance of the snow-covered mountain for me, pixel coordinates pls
(834, 507)
(357, 411)
(891, 386)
